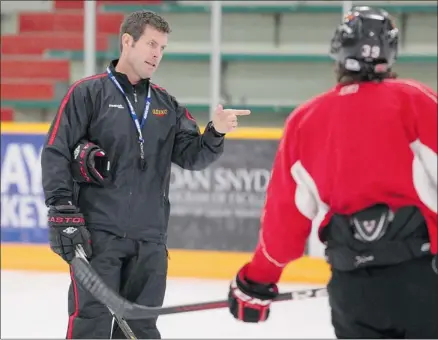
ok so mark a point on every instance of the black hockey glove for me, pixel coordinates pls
(90, 164)
(250, 301)
(67, 230)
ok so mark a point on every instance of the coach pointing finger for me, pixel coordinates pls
(225, 120)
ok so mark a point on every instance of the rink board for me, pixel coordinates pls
(215, 213)
(201, 264)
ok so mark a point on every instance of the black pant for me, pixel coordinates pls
(399, 301)
(135, 269)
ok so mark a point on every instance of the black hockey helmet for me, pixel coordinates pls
(366, 41)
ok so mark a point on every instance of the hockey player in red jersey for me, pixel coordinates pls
(359, 163)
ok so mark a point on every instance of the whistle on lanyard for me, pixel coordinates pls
(142, 160)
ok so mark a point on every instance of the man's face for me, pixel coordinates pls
(145, 54)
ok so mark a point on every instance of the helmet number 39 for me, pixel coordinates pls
(370, 51)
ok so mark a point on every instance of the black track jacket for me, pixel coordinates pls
(135, 203)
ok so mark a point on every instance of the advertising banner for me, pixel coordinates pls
(214, 209)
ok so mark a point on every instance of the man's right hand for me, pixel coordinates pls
(67, 230)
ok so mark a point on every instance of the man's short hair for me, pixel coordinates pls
(135, 23)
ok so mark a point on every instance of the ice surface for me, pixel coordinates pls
(34, 305)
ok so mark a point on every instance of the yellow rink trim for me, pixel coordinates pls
(241, 133)
(183, 263)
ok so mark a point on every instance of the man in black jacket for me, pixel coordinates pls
(122, 223)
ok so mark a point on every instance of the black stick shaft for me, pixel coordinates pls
(295, 295)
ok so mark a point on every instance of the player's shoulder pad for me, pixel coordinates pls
(302, 110)
(413, 88)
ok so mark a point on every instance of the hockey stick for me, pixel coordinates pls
(132, 311)
(127, 331)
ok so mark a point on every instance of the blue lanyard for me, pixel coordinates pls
(138, 125)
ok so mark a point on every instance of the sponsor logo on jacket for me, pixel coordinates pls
(158, 112)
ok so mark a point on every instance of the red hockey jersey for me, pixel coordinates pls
(345, 150)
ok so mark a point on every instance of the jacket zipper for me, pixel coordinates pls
(134, 178)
